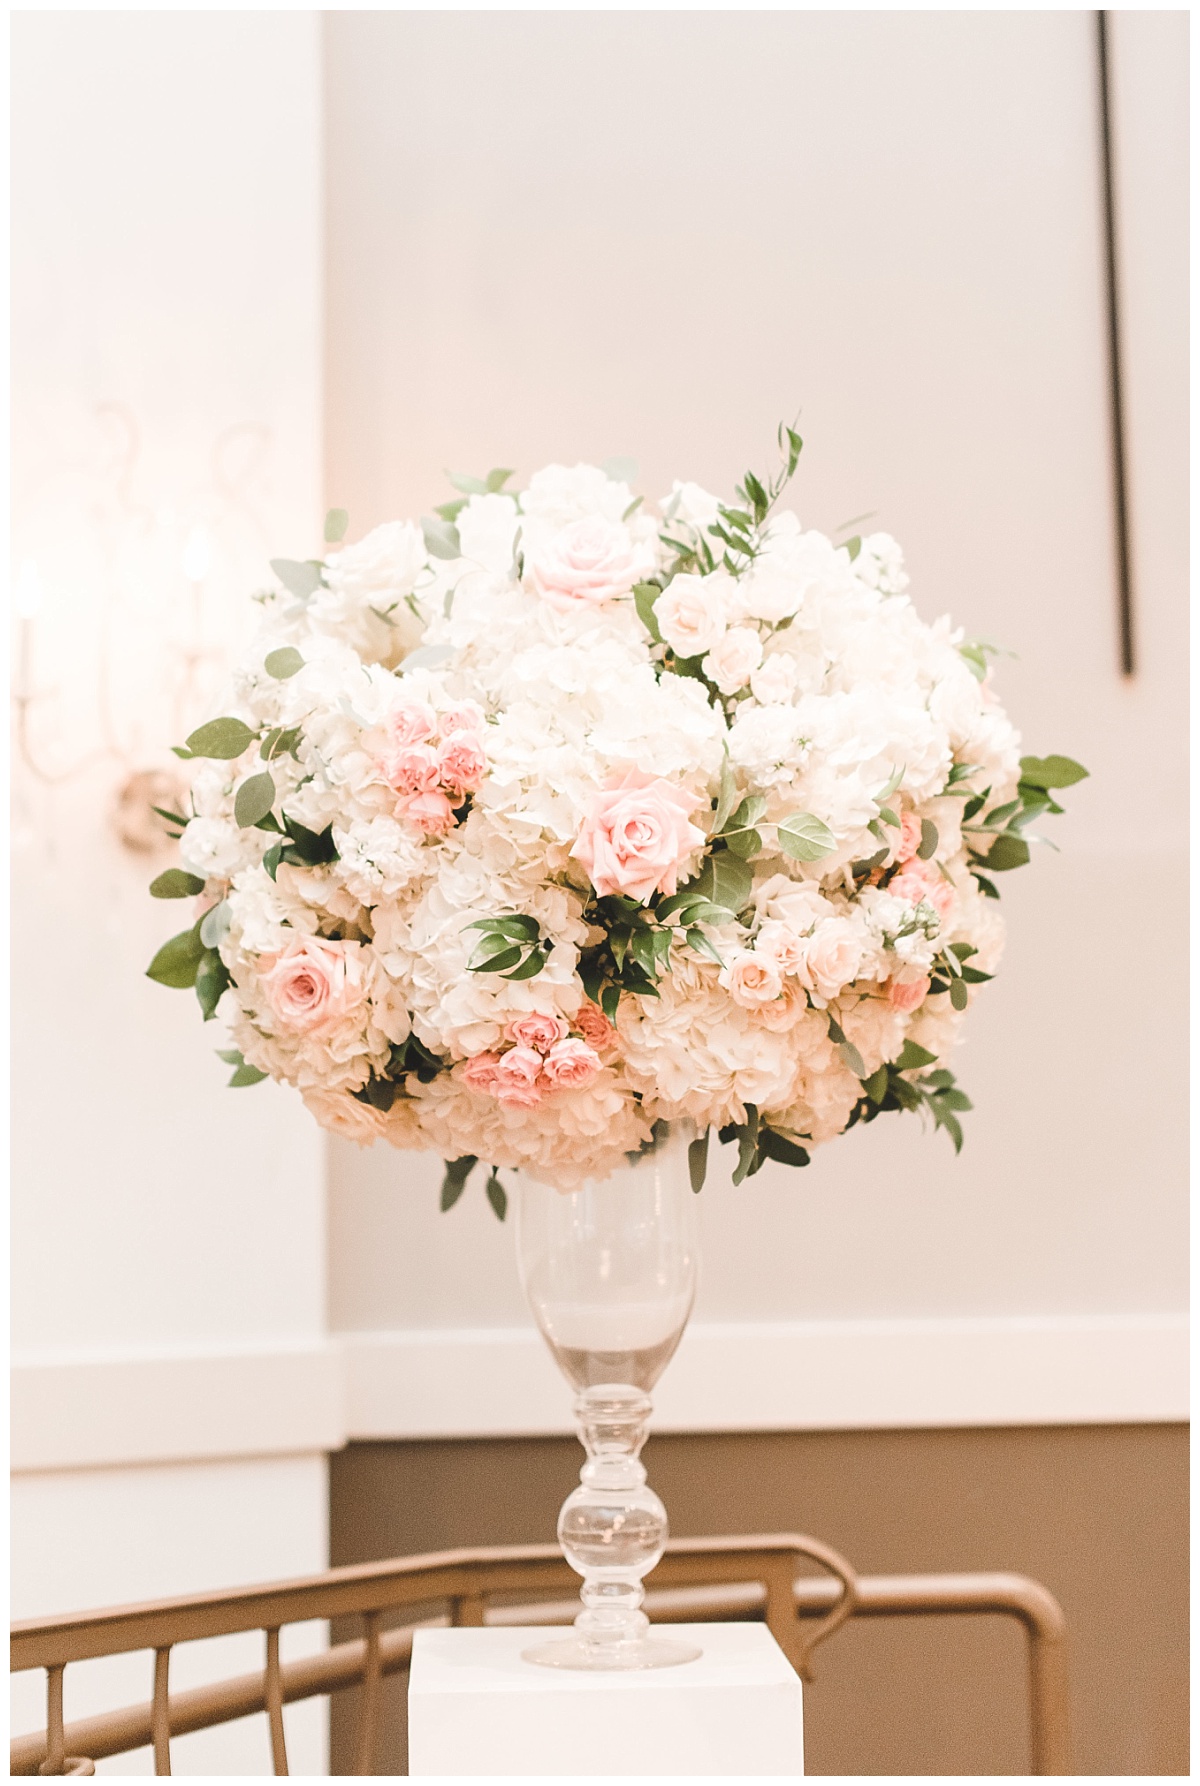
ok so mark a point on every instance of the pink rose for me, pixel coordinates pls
(430, 812)
(590, 560)
(461, 763)
(595, 1028)
(413, 769)
(466, 716)
(783, 945)
(910, 837)
(570, 1065)
(906, 995)
(785, 1011)
(636, 836)
(535, 1031)
(312, 985)
(832, 958)
(733, 659)
(480, 1072)
(517, 1075)
(414, 723)
(924, 881)
(751, 979)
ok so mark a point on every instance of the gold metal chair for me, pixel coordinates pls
(697, 1579)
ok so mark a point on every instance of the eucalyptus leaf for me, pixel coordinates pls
(744, 843)
(248, 1075)
(496, 479)
(456, 1175)
(493, 964)
(254, 799)
(212, 977)
(1052, 772)
(958, 995)
(497, 1196)
(176, 962)
(698, 1161)
(223, 739)
(912, 1055)
(214, 925)
(468, 485)
(441, 537)
(929, 840)
(724, 880)
(300, 578)
(428, 657)
(283, 662)
(336, 523)
(644, 597)
(891, 784)
(1007, 852)
(175, 883)
(805, 838)
(620, 470)
(774, 1146)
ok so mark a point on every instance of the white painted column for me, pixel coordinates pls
(167, 439)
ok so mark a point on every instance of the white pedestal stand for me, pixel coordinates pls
(474, 1707)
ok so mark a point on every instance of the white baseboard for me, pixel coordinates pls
(484, 1383)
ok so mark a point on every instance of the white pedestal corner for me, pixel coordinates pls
(475, 1707)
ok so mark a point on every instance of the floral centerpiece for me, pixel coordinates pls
(554, 818)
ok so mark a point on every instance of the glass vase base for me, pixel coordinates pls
(643, 1652)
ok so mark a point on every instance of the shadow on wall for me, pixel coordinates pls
(1098, 1514)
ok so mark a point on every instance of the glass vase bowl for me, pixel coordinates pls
(610, 1271)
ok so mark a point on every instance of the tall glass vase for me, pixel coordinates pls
(610, 1271)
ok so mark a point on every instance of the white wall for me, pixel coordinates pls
(566, 235)
(166, 259)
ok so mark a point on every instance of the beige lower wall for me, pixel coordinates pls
(1099, 1514)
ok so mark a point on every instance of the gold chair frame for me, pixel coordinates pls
(697, 1579)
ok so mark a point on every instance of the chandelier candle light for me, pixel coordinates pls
(552, 834)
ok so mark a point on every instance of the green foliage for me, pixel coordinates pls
(254, 799)
(739, 829)
(281, 742)
(455, 1180)
(698, 1161)
(497, 1196)
(301, 579)
(929, 840)
(172, 818)
(412, 1056)
(757, 1144)
(935, 1093)
(175, 883)
(724, 880)
(441, 537)
(283, 662)
(1052, 772)
(644, 597)
(223, 739)
(212, 977)
(737, 530)
(178, 960)
(849, 1053)
(805, 838)
(243, 1073)
(511, 946)
(336, 523)
(298, 845)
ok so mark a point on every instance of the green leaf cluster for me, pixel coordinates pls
(187, 960)
(1003, 827)
(953, 973)
(243, 1073)
(936, 1093)
(454, 1183)
(757, 1143)
(297, 845)
(301, 578)
(511, 946)
(491, 485)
